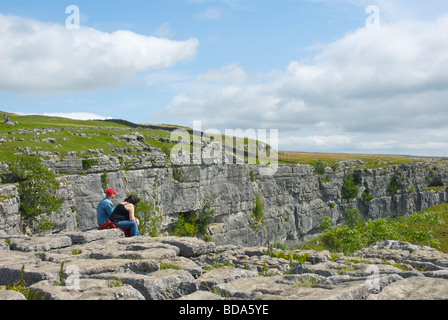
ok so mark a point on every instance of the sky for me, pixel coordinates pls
(355, 76)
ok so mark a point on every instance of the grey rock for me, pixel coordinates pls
(47, 243)
(190, 247)
(160, 285)
(294, 197)
(81, 237)
(106, 266)
(222, 275)
(86, 289)
(415, 288)
(183, 263)
(11, 295)
(201, 295)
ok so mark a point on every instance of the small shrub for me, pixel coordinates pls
(353, 217)
(36, 179)
(252, 175)
(366, 196)
(257, 212)
(104, 180)
(349, 188)
(195, 224)
(89, 163)
(394, 186)
(20, 286)
(205, 218)
(186, 225)
(150, 216)
(115, 282)
(326, 224)
(319, 167)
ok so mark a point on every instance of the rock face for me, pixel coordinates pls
(104, 265)
(292, 201)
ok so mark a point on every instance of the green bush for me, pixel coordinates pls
(205, 218)
(37, 186)
(349, 188)
(89, 163)
(257, 212)
(356, 234)
(326, 224)
(186, 225)
(366, 196)
(150, 216)
(394, 186)
(195, 224)
(353, 217)
(319, 167)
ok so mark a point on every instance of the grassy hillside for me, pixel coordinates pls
(67, 135)
(33, 132)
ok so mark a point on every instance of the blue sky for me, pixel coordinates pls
(310, 68)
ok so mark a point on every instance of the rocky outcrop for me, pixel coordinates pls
(104, 265)
(292, 201)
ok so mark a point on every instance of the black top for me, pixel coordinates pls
(119, 214)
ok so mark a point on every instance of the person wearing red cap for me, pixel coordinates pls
(105, 207)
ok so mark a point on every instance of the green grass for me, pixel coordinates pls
(371, 160)
(425, 228)
(98, 135)
(101, 135)
(36, 121)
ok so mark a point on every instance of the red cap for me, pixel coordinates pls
(110, 191)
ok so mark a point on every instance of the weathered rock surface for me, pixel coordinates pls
(295, 198)
(107, 266)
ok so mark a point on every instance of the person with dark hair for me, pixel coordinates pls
(123, 216)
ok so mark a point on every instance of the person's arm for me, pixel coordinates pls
(109, 208)
(132, 217)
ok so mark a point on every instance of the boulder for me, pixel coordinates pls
(223, 275)
(189, 247)
(86, 289)
(415, 288)
(11, 295)
(81, 237)
(160, 285)
(31, 244)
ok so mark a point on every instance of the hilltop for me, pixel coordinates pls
(61, 137)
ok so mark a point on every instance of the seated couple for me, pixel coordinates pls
(122, 216)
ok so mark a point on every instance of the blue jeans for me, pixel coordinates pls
(128, 225)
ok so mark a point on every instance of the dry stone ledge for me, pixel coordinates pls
(28, 244)
(104, 265)
(81, 237)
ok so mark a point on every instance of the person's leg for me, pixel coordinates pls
(128, 225)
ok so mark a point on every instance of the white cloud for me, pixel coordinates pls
(232, 73)
(371, 91)
(41, 57)
(211, 13)
(164, 31)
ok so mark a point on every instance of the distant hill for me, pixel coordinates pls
(34, 134)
